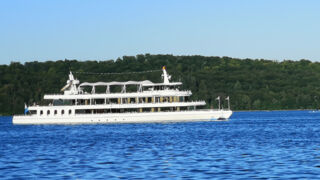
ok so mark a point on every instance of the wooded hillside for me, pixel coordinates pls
(251, 84)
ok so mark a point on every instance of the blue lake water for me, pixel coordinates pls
(277, 144)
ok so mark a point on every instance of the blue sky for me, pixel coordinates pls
(107, 29)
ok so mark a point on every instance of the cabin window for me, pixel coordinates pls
(58, 102)
(132, 100)
(33, 112)
(62, 112)
(41, 112)
(146, 109)
(48, 112)
(69, 111)
(99, 101)
(67, 102)
(166, 109)
(55, 112)
(80, 111)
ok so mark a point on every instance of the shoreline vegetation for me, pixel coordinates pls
(252, 84)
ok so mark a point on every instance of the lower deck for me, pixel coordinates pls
(144, 117)
(113, 108)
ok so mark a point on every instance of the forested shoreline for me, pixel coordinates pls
(251, 84)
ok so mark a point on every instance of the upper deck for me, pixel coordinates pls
(73, 90)
(160, 93)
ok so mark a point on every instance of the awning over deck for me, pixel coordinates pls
(142, 83)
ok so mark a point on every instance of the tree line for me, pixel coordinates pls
(252, 84)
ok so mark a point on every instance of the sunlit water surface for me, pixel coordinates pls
(278, 144)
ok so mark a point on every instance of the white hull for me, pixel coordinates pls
(148, 117)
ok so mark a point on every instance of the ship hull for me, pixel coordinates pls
(147, 117)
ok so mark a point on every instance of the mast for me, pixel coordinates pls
(218, 99)
(165, 75)
(228, 99)
(71, 86)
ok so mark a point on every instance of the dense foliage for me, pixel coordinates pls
(251, 84)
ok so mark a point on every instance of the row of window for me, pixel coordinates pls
(99, 111)
(120, 100)
(55, 112)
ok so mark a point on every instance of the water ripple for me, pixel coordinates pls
(252, 145)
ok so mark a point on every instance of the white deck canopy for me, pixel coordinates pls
(142, 83)
(116, 83)
(163, 84)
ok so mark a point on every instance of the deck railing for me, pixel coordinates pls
(114, 93)
(132, 103)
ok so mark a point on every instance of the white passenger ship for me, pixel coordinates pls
(151, 102)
